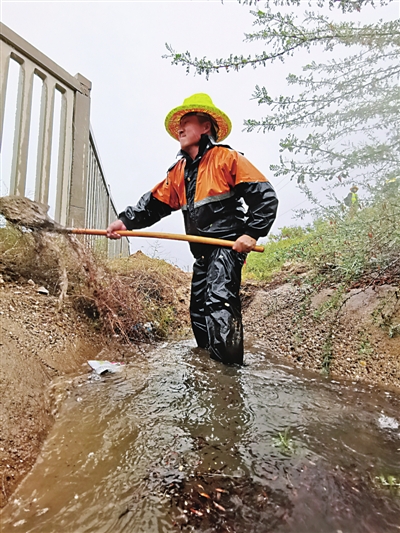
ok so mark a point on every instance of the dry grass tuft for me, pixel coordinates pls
(135, 298)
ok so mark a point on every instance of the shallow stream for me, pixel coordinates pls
(177, 442)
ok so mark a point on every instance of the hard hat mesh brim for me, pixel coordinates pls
(173, 119)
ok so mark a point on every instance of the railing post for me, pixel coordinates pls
(45, 138)
(80, 153)
(65, 155)
(22, 126)
(4, 64)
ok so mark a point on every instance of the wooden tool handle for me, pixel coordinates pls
(158, 235)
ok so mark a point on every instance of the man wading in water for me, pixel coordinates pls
(208, 183)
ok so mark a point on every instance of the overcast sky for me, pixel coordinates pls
(118, 46)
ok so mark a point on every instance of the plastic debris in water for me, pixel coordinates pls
(42, 290)
(386, 422)
(105, 366)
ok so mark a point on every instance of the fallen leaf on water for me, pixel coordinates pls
(219, 507)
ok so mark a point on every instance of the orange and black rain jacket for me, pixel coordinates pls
(210, 190)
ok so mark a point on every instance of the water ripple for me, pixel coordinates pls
(112, 457)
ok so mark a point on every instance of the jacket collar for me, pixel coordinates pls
(205, 144)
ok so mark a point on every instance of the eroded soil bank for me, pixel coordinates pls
(38, 344)
(41, 342)
(355, 335)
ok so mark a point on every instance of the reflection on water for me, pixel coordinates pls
(178, 442)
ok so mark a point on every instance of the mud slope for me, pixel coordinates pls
(37, 343)
(358, 337)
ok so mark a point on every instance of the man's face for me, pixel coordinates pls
(190, 131)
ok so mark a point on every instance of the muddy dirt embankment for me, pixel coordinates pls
(38, 344)
(355, 335)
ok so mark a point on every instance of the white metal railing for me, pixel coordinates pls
(100, 208)
(81, 194)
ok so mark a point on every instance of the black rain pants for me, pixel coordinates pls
(215, 308)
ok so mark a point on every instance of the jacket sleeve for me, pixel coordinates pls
(259, 196)
(155, 204)
(145, 213)
(262, 205)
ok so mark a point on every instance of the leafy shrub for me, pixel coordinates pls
(343, 247)
(288, 244)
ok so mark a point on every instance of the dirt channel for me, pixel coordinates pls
(40, 343)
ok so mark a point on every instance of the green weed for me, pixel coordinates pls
(327, 355)
(278, 251)
(394, 330)
(385, 313)
(390, 482)
(285, 442)
(365, 349)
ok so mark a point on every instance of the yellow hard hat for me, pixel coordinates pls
(200, 103)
